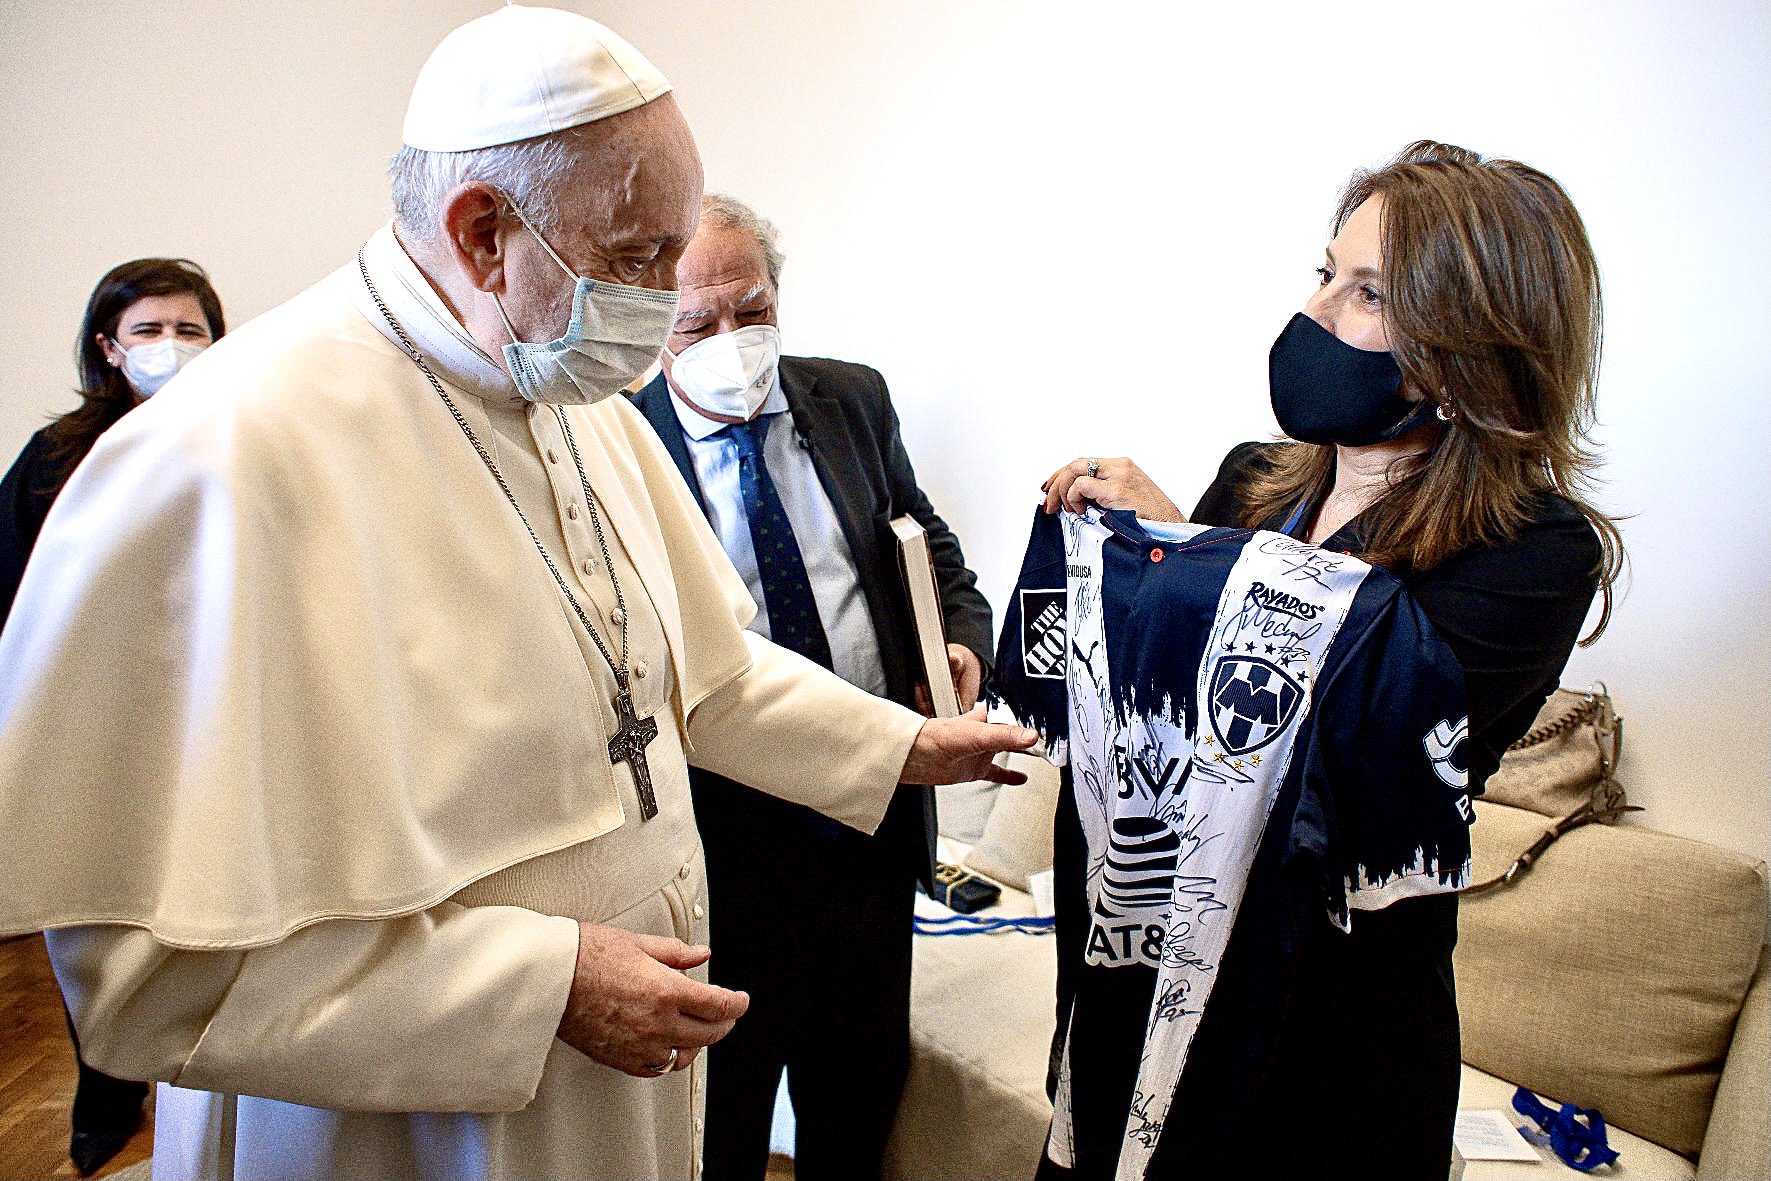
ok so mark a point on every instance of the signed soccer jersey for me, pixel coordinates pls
(1222, 699)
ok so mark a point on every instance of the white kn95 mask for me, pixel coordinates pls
(730, 374)
(150, 366)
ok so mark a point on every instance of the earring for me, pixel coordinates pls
(1444, 409)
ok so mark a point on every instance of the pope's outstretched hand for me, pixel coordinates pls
(957, 750)
(632, 1002)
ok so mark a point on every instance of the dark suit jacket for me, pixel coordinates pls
(844, 414)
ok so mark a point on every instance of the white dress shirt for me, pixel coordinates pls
(836, 587)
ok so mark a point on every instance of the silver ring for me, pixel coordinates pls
(1094, 469)
(667, 1065)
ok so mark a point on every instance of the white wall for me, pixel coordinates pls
(1058, 229)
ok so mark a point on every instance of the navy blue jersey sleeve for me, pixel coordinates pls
(1385, 806)
(1030, 673)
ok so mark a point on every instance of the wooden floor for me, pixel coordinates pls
(37, 1072)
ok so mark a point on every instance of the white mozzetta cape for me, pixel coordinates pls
(284, 653)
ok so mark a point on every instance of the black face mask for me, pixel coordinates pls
(1326, 391)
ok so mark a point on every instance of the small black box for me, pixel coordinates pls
(961, 890)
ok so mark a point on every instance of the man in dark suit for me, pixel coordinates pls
(800, 467)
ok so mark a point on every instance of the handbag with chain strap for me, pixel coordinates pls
(1564, 767)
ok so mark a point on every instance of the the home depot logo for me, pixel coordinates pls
(1043, 633)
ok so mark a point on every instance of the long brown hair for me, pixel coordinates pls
(1493, 310)
(105, 394)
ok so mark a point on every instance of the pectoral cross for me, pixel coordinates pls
(632, 735)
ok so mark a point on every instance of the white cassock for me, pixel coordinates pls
(305, 761)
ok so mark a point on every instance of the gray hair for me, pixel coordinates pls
(735, 214)
(530, 172)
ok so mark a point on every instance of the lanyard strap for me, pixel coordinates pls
(966, 924)
(1296, 518)
(1576, 1135)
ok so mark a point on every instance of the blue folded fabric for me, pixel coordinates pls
(1576, 1134)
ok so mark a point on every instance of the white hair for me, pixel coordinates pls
(735, 214)
(530, 172)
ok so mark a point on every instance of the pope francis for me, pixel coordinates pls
(348, 698)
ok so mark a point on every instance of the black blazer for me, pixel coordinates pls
(843, 414)
(28, 489)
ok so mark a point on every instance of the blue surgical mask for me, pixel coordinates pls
(615, 334)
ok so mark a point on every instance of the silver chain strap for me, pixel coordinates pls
(596, 525)
(411, 350)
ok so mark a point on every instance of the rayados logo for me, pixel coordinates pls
(1283, 601)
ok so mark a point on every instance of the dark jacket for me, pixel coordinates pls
(26, 493)
(844, 415)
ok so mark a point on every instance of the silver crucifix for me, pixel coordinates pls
(632, 735)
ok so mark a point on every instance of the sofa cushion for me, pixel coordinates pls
(1610, 974)
(963, 809)
(1017, 839)
(1738, 1143)
(1636, 1157)
(982, 1013)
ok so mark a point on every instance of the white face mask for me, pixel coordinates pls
(730, 374)
(615, 334)
(150, 366)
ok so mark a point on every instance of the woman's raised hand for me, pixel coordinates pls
(1115, 483)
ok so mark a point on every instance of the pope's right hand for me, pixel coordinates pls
(632, 1001)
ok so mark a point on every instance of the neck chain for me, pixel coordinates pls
(633, 733)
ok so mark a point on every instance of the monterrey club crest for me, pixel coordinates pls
(1252, 701)
(1446, 745)
(1043, 633)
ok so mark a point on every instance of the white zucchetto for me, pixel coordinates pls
(521, 72)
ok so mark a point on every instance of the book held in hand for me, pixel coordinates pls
(931, 640)
(925, 607)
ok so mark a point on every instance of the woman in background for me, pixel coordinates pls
(143, 322)
(1435, 391)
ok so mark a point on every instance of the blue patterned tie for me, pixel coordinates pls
(793, 613)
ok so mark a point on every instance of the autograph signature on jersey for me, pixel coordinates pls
(1302, 562)
(1172, 1004)
(1144, 1130)
(1282, 632)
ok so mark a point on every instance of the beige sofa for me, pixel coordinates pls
(1625, 972)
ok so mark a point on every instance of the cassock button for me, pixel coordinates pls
(699, 911)
(617, 617)
(1156, 555)
(639, 669)
(588, 568)
(572, 511)
(684, 871)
